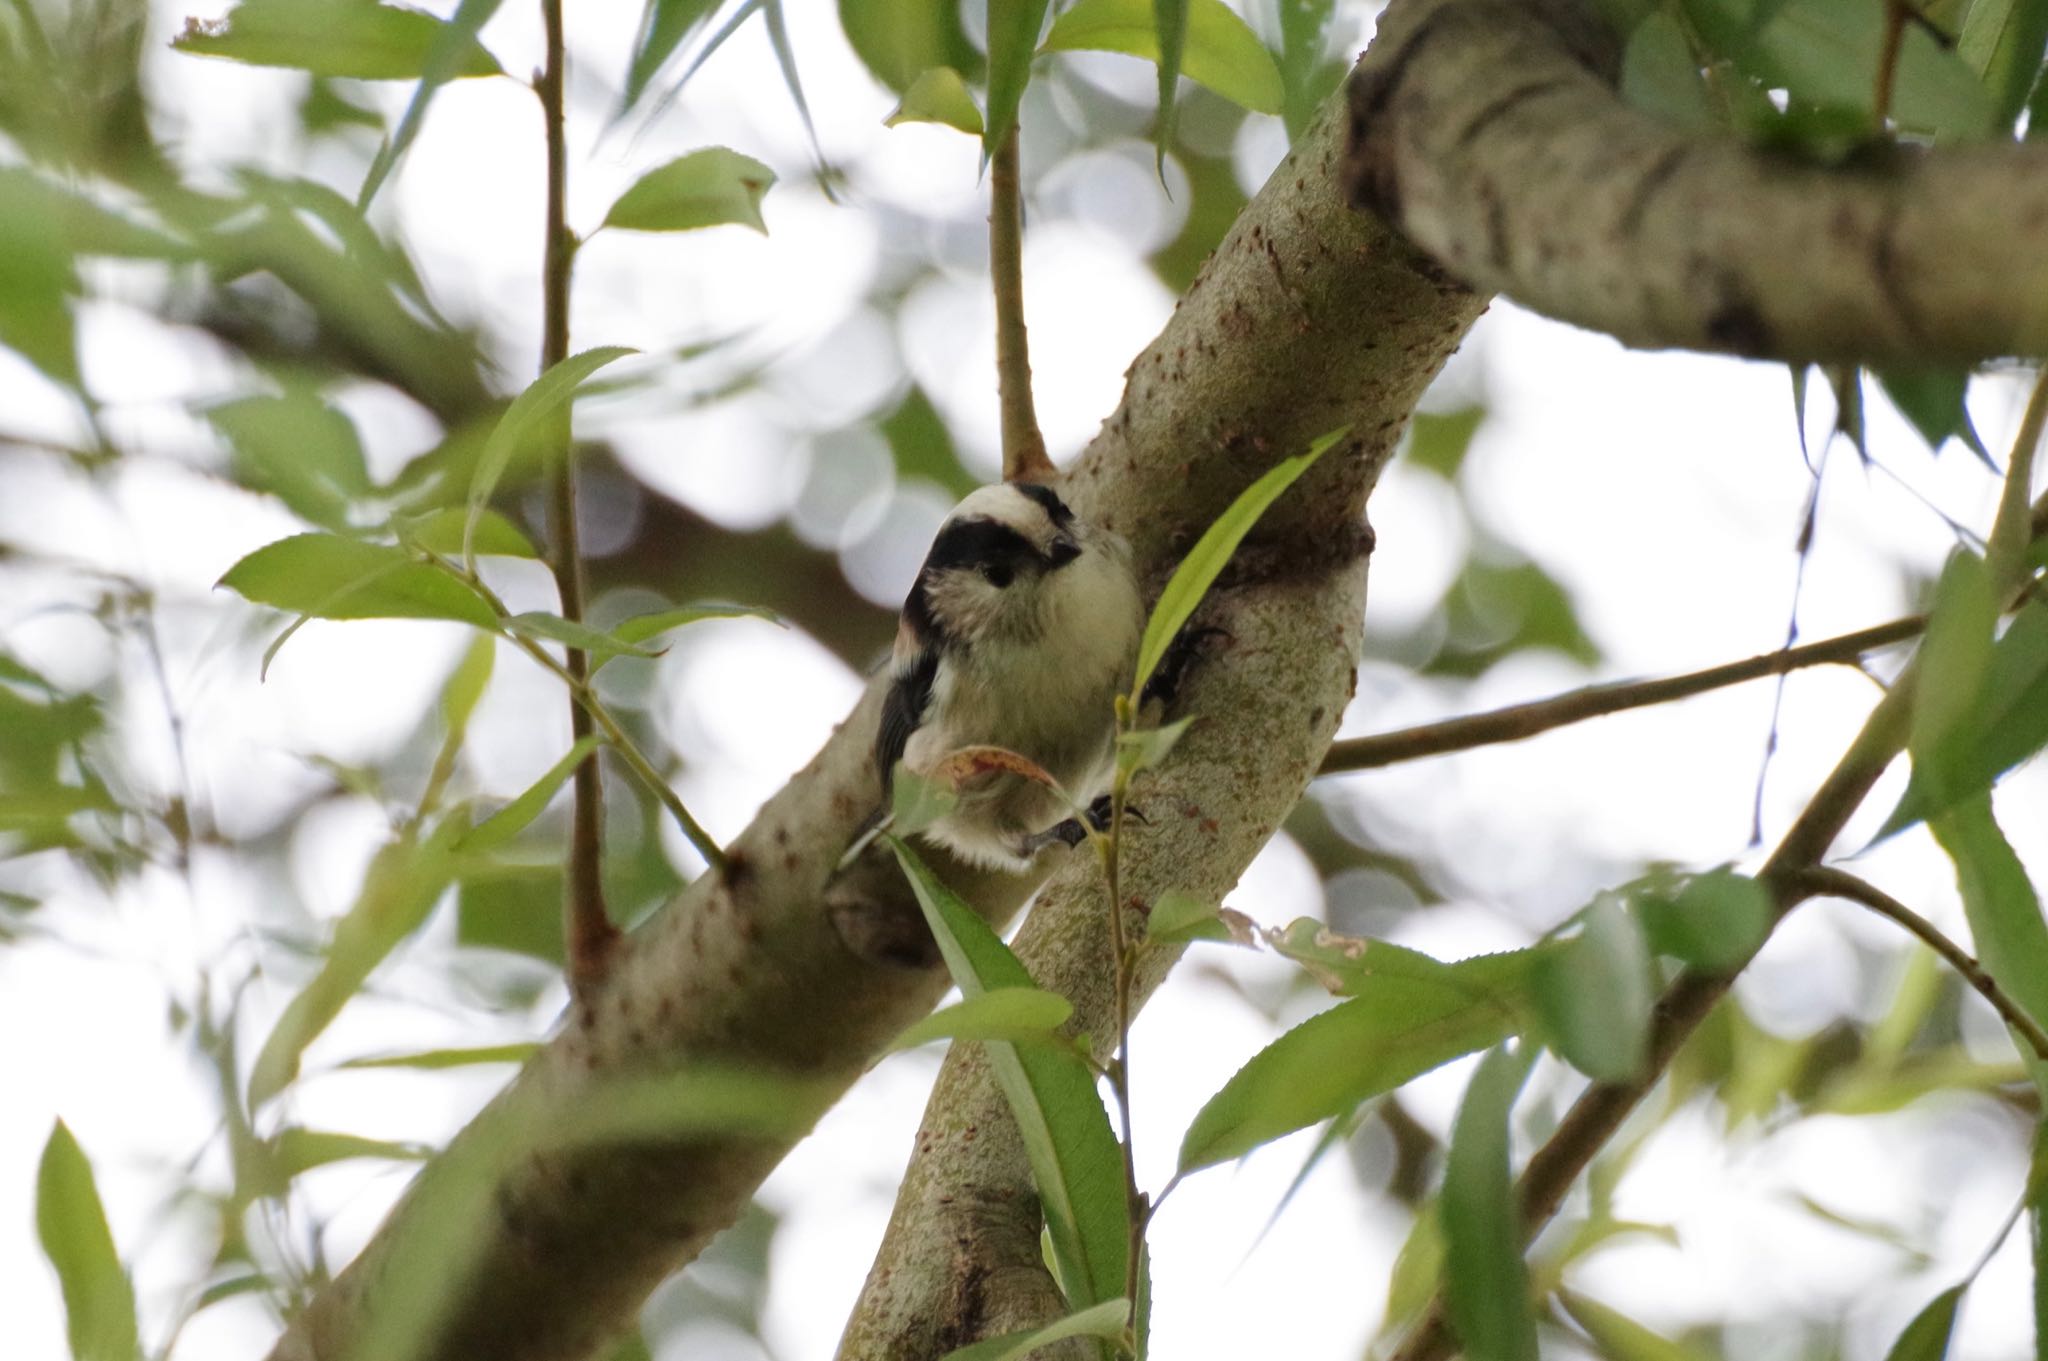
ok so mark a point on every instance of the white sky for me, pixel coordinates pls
(1664, 490)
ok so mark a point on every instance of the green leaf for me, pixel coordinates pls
(777, 24)
(1619, 1337)
(1304, 42)
(2008, 725)
(404, 880)
(1395, 1031)
(707, 188)
(1016, 1015)
(455, 41)
(1926, 1337)
(1595, 995)
(1349, 965)
(1713, 922)
(1075, 1160)
(1661, 76)
(1170, 40)
(1221, 53)
(1104, 1320)
(1439, 440)
(641, 627)
(1181, 916)
(664, 25)
(602, 647)
(939, 95)
(38, 279)
(2001, 906)
(512, 907)
(294, 1150)
(916, 802)
(1955, 662)
(509, 821)
(440, 532)
(99, 1303)
(899, 40)
(1486, 1282)
(1826, 53)
(546, 395)
(2003, 41)
(465, 686)
(1211, 553)
(1013, 28)
(435, 1060)
(300, 450)
(328, 577)
(1932, 399)
(1146, 748)
(359, 39)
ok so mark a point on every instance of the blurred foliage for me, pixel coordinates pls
(307, 308)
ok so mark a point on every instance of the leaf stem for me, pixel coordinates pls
(588, 929)
(1024, 456)
(1826, 880)
(1124, 959)
(1519, 721)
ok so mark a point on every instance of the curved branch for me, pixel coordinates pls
(1308, 318)
(1491, 132)
(1518, 721)
(1826, 880)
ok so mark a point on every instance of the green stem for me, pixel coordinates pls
(1023, 445)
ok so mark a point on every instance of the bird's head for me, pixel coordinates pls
(998, 567)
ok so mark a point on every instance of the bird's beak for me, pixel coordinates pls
(1062, 551)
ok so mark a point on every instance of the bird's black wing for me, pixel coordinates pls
(903, 711)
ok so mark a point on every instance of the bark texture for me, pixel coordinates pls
(1491, 132)
(522, 1246)
(1307, 318)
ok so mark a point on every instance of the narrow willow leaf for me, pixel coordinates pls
(1595, 995)
(328, 577)
(1013, 28)
(465, 685)
(1170, 37)
(1075, 1160)
(1181, 916)
(356, 39)
(1221, 51)
(1211, 553)
(2003, 41)
(664, 25)
(1146, 748)
(2001, 906)
(1349, 965)
(1714, 921)
(733, 23)
(1417, 1269)
(1619, 1337)
(1486, 1282)
(1660, 74)
(1395, 1031)
(1015, 1015)
(707, 188)
(440, 532)
(1104, 1320)
(300, 450)
(1932, 399)
(2009, 725)
(453, 44)
(641, 627)
(1955, 662)
(545, 396)
(939, 95)
(1823, 53)
(777, 24)
(514, 818)
(1926, 1337)
(434, 1060)
(602, 647)
(99, 1303)
(1304, 41)
(916, 802)
(295, 1150)
(404, 880)
(901, 40)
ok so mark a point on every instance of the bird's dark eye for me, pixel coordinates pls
(998, 574)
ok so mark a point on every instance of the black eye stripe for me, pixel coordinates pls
(972, 543)
(1055, 509)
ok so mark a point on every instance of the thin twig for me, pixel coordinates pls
(1519, 721)
(1827, 881)
(1024, 456)
(1123, 961)
(1896, 13)
(588, 929)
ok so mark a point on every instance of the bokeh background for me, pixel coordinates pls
(1842, 1143)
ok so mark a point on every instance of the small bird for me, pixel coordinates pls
(1020, 631)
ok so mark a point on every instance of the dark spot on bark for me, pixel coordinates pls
(1737, 327)
(1892, 276)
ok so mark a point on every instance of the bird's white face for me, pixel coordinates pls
(999, 569)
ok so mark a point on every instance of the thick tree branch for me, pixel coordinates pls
(1490, 131)
(1308, 318)
(1518, 721)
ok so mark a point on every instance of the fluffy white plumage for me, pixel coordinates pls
(1021, 629)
